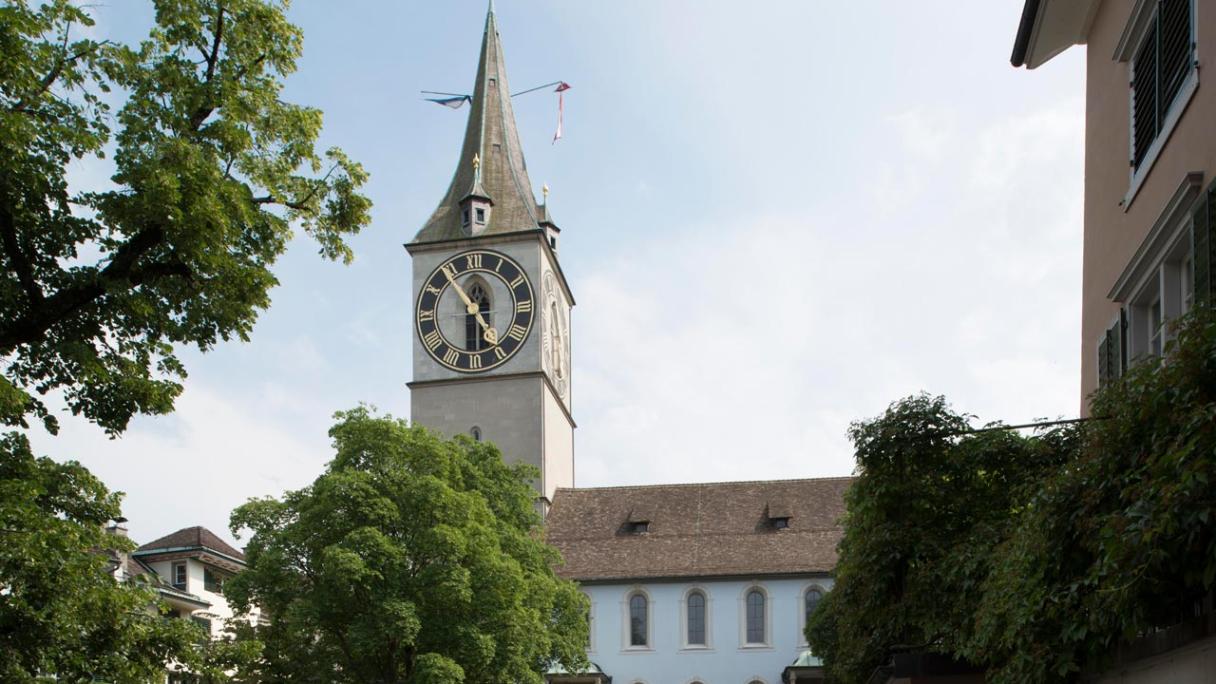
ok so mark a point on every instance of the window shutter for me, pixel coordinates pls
(1144, 94)
(1176, 49)
(1103, 360)
(1202, 245)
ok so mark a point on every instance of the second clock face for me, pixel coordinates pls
(474, 311)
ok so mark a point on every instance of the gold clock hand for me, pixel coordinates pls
(473, 309)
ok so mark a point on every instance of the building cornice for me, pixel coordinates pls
(544, 377)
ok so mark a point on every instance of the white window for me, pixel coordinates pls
(811, 596)
(1157, 286)
(637, 620)
(754, 618)
(179, 575)
(695, 620)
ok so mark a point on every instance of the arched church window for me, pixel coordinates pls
(555, 341)
(813, 597)
(639, 628)
(696, 618)
(475, 433)
(474, 334)
(755, 617)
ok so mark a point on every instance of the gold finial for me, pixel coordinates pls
(476, 162)
(544, 190)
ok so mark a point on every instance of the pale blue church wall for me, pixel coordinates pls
(726, 659)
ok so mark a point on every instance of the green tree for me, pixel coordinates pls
(1034, 557)
(411, 559)
(212, 169)
(61, 611)
(929, 505)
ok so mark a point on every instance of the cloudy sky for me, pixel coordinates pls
(777, 219)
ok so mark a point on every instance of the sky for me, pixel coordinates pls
(777, 219)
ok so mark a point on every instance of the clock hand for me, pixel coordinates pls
(491, 335)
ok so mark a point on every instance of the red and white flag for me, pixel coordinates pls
(561, 88)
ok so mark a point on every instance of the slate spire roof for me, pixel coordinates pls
(490, 136)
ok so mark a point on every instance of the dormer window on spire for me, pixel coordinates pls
(475, 205)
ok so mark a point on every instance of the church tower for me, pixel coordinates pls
(491, 308)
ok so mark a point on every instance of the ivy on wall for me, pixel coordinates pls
(1033, 556)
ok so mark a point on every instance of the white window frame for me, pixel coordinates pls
(709, 638)
(1133, 35)
(185, 583)
(802, 609)
(744, 644)
(627, 624)
(1157, 269)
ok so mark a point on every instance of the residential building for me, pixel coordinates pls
(194, 562)
(708, 583)
(1150, 162)
(1150, 215)
(188, 569)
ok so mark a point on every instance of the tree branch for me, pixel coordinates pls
(17, 258)
(52, 76)
(212, 60)
(33, 325)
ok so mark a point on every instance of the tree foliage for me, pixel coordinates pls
(411, 559)
(1035, 557)
(211, 171)
(62, 613)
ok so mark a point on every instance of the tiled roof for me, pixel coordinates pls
(196, 537)
(707, 530)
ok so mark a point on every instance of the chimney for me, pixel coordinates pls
(119, 529)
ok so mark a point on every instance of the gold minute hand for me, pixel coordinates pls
(491, 335)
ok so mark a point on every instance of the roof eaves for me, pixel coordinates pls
(1026, 27)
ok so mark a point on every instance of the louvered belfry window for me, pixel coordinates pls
(1160, 66)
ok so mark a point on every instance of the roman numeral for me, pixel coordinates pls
(450, 269)
(517, 282)
(498, 266)
(499, 354)
(474, 361)
(451, 357)
(472, 261)
(426, 315)
(432, 290)
(517, 331)
(432, 340)
(523, 306)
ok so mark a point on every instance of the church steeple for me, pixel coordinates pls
(499, 174)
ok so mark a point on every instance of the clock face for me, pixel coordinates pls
(474, 311)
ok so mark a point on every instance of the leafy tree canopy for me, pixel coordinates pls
(1035, 557)
(211, 171)
(63, 613)
(411, 559)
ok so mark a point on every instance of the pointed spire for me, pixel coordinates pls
(492, 140)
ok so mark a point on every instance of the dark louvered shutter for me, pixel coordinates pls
(1144, 95)
(1176, 50)
(1104, 360)
(1161, 63)
(1203, 246)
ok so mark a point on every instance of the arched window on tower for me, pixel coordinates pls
(474, 333)
(555, 341)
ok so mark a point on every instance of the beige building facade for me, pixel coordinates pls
(1150, 161)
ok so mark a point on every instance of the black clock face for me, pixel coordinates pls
(474, 311)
